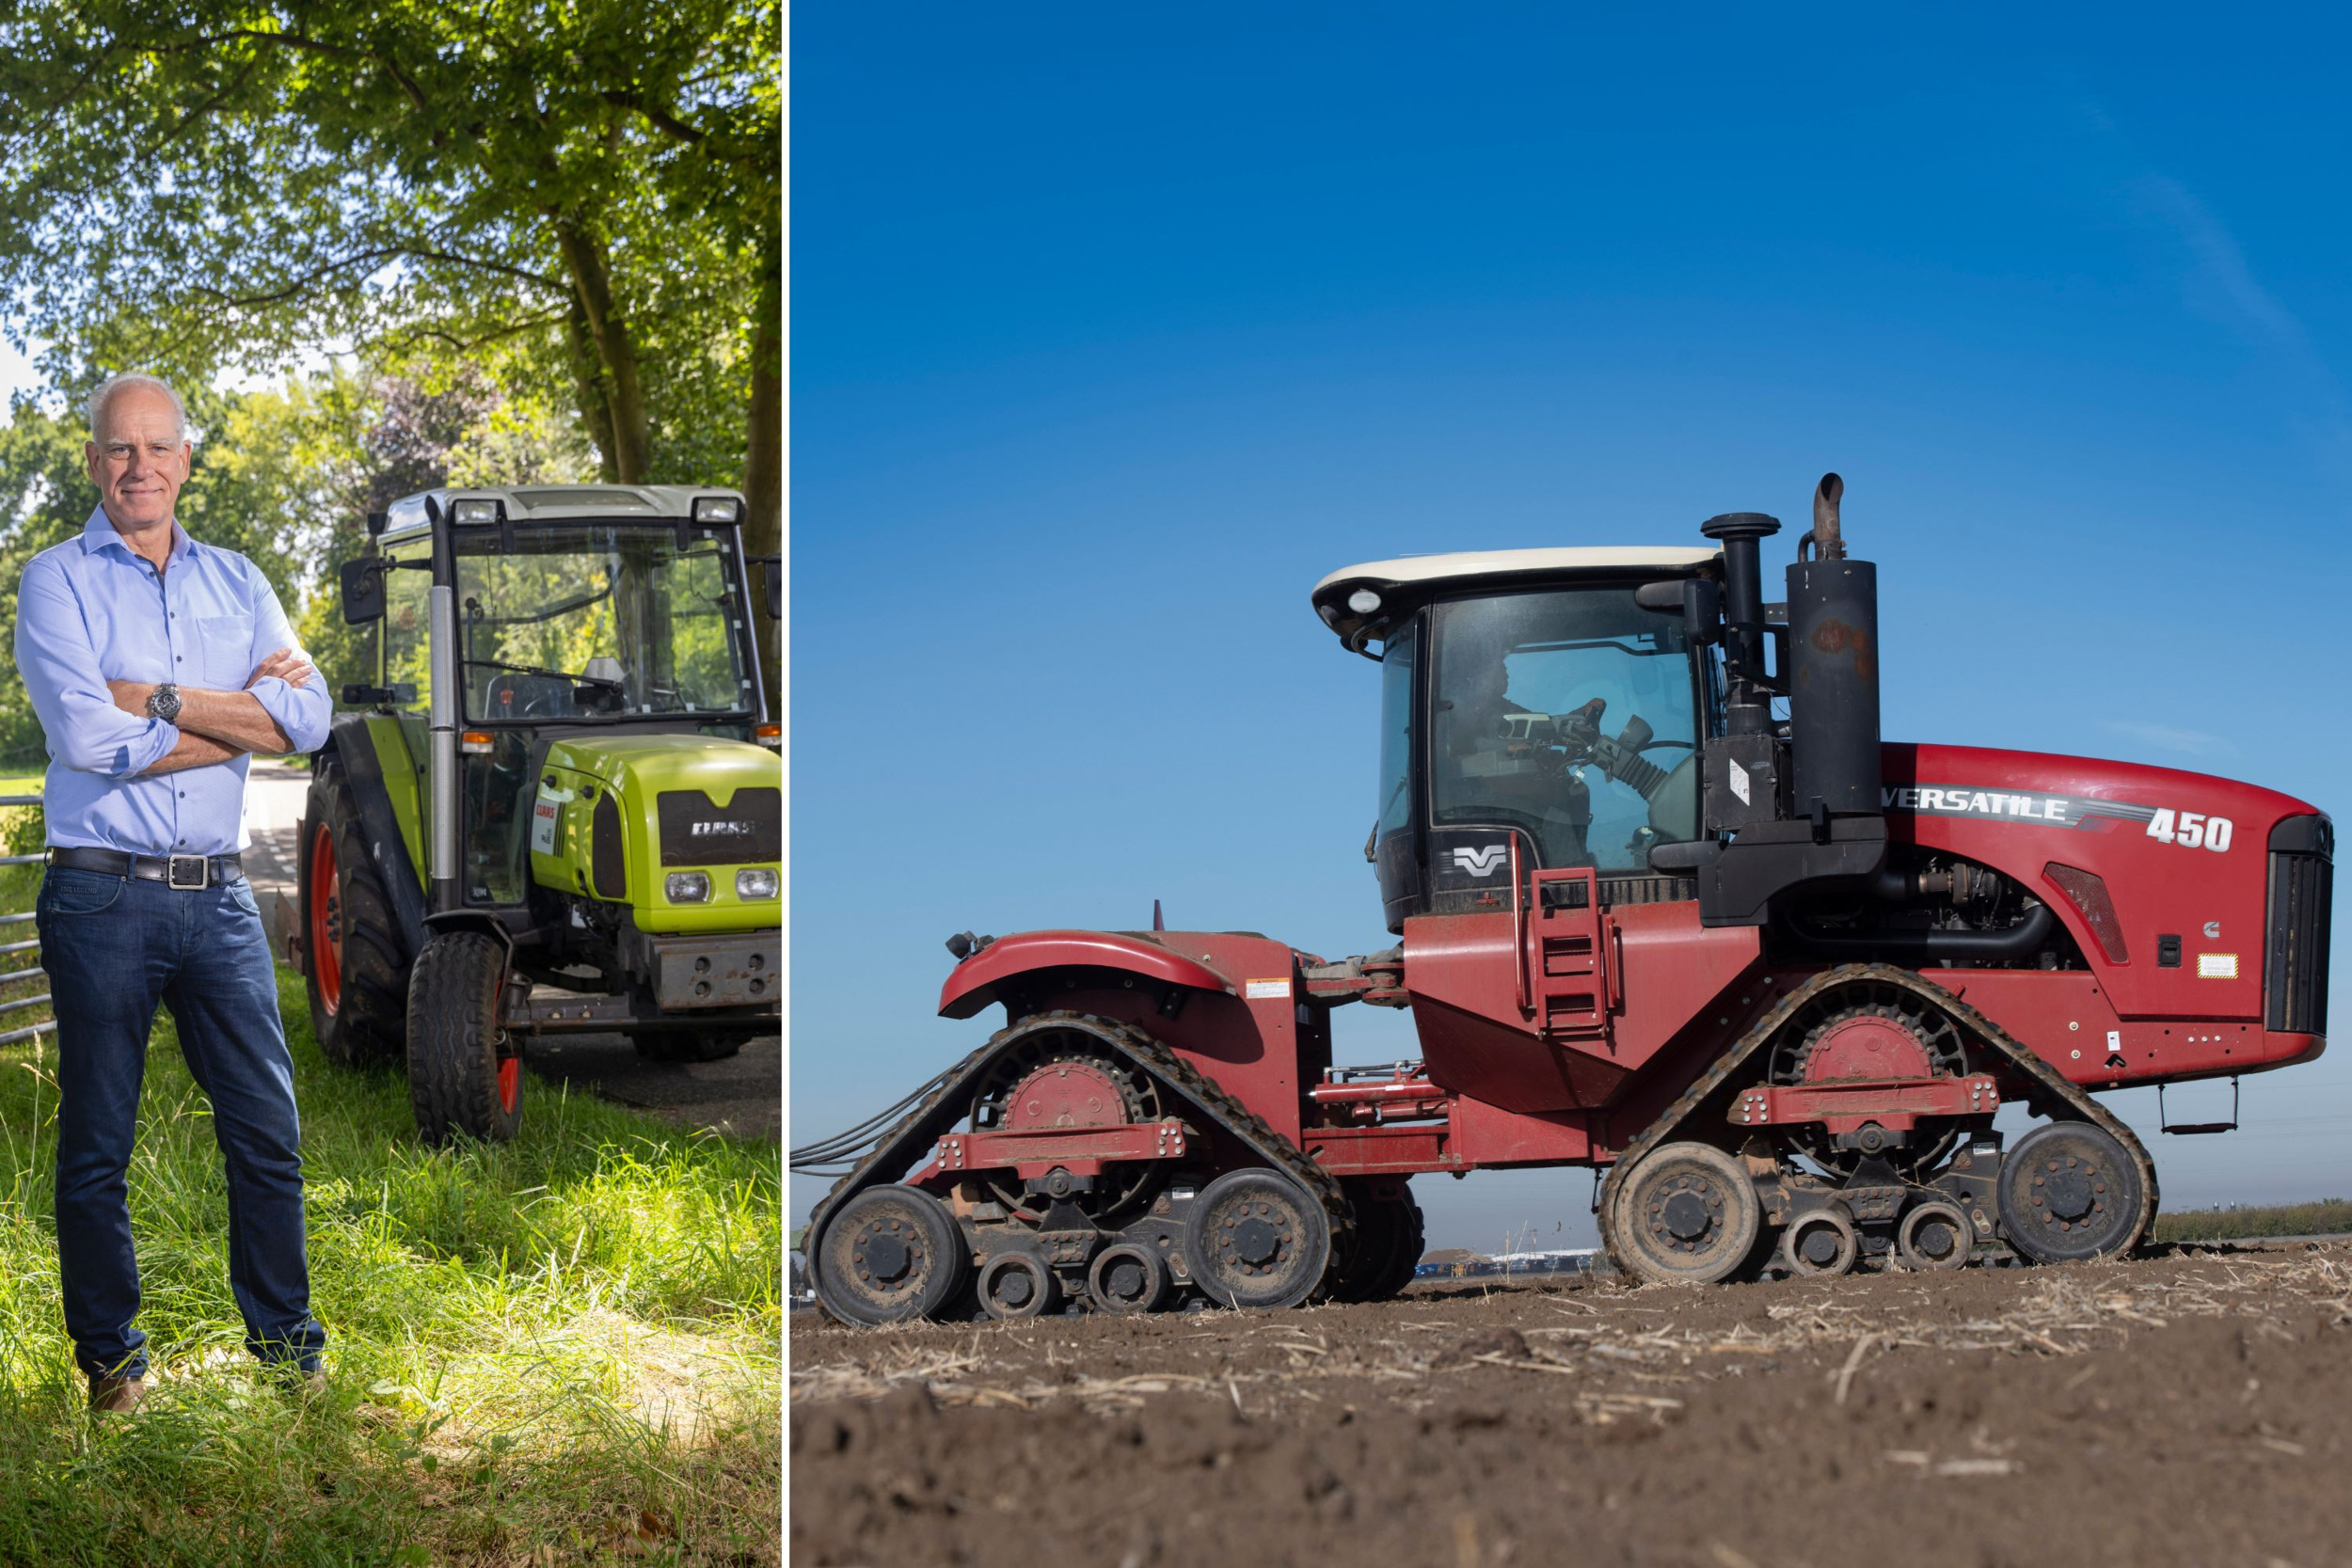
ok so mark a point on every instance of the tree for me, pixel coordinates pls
(584, 193)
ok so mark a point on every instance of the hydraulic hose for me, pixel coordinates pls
(1915, 947)
(843, 1149)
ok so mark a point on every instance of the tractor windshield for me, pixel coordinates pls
(1570, 715)
(579, 622)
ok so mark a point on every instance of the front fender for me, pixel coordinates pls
(978, 980)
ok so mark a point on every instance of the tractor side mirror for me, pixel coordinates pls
(1699, 600)
(363, 589)
(774, 576)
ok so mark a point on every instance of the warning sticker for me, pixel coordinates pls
(1265, 991)
(2216, 966)
(543, 815)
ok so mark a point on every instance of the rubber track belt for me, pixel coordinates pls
(897, 1149)
(2048, 1078)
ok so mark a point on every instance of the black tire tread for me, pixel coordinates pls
(370, 1028)
(453, 1039)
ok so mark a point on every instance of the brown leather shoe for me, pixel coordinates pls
(116, 1395)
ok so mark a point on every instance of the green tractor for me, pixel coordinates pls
(560, 807)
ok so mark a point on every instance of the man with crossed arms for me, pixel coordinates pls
(157, 664)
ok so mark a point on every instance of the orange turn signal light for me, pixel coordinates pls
(474, 740)
(769, 734)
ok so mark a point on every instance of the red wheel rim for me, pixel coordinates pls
(510, 1083)
(327, 926)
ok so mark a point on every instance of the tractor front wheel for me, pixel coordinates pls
(464, 1072)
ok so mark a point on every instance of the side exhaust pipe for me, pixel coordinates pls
(1827, 542)
(1833, 672)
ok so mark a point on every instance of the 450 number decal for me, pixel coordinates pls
(2191, 830)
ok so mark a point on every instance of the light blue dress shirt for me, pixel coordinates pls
(91, 610)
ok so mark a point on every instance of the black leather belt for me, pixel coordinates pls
(189, 872)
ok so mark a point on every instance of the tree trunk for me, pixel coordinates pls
(624, 393)
(763, 465)
(595, 408)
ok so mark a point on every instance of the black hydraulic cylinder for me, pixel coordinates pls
(1834, 687)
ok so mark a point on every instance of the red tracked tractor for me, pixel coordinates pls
(1667, 906)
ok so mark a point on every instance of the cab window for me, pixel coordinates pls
(1571, 715)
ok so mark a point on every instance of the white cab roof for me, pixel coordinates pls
(1479, 564)
(563, 502)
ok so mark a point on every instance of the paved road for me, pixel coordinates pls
(742, 1096)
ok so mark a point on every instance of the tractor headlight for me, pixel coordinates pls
(474, 511)
(686, 887)
(755, 884)
(718, 509)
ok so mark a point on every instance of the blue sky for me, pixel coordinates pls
(1115, 330)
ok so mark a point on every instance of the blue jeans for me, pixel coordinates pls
(114, 946)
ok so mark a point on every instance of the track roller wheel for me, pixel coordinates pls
(1934, 1235)
(1688, 1212)
(1256, 1239)
(1820, 1243)
(891, 1255)
(1128, 1278)
(2069, 1190)
(1015, 1285)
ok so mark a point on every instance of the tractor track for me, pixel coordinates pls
(901, 1147)
(2050, 1080)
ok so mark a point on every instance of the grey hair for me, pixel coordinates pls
(127, 381)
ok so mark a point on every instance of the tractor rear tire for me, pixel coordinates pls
(352, 954)
(678, 1045)
(464, 1072)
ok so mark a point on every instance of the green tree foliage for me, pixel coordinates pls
(286, 477)
(581, 196)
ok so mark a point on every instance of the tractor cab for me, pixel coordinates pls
(1526, 693)
(565, 731)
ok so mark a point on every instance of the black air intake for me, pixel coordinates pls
(2295, 958)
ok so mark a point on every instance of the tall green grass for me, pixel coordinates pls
(566, 1348)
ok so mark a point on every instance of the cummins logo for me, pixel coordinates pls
(720, 830)
(1481, 862)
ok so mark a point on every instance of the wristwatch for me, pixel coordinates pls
(164, 703)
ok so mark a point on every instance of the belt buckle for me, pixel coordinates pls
(203, 872)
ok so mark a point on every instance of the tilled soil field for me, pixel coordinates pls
(2194, 1407)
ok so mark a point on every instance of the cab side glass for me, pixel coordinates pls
(408, 625)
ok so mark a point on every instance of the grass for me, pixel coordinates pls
(561, 1350)
(2330, 1216)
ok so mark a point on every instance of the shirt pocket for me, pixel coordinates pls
(225, 647)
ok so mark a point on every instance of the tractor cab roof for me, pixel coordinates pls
(558, 503)
(1356, 601)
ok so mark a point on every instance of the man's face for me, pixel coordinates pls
(139, 460)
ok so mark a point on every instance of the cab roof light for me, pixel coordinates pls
(475, 509)
(718, 509)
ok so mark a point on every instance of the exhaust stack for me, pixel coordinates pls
(1829, 544)
(1833, 673)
